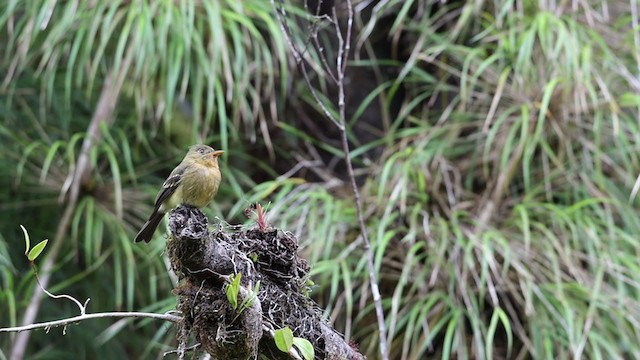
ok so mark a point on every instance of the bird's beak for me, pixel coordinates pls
(217, 153)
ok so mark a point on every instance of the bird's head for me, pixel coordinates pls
(204, 155)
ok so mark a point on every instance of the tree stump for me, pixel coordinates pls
(206, 262)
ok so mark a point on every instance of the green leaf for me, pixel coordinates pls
(35, 252)
(248, 300)
(284, 339)
(233, 289)
(449, 334)
(498, 315)
(305, 347)
(629, 100)
(26, 240)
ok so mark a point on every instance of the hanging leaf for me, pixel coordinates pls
(284, 339)
(305, 347)
(35, 252)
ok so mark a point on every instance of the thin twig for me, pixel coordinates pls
(343, 55)
(65, 322)
(176, 351)
(636, 41)
(341, 64)
(297, 55)
(300, 165)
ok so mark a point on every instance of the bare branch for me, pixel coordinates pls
(75, 319)
(341, 66)
(297, 55)
(343, 56)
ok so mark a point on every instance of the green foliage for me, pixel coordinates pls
(170, 49)
(233, 288)
(37, 250)
(248, 300)
(284, 339)
(32, 253)
(233, 291)
(305, 347)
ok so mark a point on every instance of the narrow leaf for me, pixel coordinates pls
(26, 239)
(232, 291)
(35, 252)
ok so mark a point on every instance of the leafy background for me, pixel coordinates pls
(496, 146)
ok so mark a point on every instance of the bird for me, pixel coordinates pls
(193, 182)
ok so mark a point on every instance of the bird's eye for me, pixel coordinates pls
(201, 151)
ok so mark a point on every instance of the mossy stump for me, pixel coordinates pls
(205, 261)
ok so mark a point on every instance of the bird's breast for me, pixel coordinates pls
(199, 187)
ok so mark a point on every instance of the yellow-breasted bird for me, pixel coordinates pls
(193, 182)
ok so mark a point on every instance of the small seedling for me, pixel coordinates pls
(259, 214)
(33, 253)
(285, 341)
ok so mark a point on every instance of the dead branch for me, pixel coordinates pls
(344, 47)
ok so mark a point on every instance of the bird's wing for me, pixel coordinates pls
(170, 185)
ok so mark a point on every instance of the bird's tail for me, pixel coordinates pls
(146, 233)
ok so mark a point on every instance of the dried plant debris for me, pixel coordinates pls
(207, 262)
